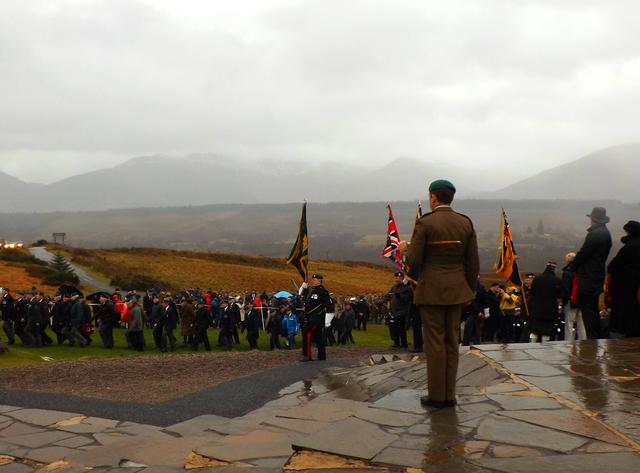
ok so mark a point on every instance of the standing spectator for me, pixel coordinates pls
(20, 307)
(169, 324)
(233, 311)
(136, 324)
(106, 317)
(362, 313)
(147, 305)
(274, 327)
(6, 307)
(291, 327)
(35, 313)
(474, 315)
(156, 321)
(225, 338)
(348, 321)
(73, 331)
(203, 322)
(252, 323)
(572, 315)
(59, 315)
(187, 322)
(493, 319)
(624, 284)
(589, 268)
(401, 298)
(546, 290)
(508, 303)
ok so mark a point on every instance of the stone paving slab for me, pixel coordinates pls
(41, 417)
(567, 421)
(40, 439)
(403, 400)
(255, 444)
(502, 430)
(366, 440)
(18, 428)
(196, 425)
(595, 463)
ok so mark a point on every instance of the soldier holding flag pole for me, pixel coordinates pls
(317, 298)
(445, 247)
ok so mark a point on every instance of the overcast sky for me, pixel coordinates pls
(527, 85)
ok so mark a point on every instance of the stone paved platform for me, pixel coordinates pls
(522, 408)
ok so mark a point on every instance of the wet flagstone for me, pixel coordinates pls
(373, 413)
(588, 463)
(503, 430)
(366, 440)
(567, 421)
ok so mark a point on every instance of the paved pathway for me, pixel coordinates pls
(522, 409)
(85, 278)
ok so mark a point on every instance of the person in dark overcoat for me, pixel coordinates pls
(624, 284)
(187, 322)
(252, 323)
(545, 292)
(589, 269)
(203, 322)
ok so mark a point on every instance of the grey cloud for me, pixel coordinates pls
(521, 85)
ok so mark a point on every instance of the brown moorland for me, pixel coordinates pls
(17, 278)
(230, 272)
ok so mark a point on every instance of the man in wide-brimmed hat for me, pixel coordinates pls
(589, 268)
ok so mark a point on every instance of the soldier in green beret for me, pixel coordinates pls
(445, 247)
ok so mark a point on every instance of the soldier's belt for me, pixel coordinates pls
(444, 242)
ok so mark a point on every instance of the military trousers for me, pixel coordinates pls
(441, 346)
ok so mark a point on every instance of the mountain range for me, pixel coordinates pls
(160, 181)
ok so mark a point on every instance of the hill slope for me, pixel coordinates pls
(235, 273)
(157, 181)
(610, 173)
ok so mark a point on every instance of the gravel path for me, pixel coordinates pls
(163, 390)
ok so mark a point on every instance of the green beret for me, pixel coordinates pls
(442, 185)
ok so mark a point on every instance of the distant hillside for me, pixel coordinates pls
(157, 181)
(181, 270)
(338, 231)
(611, 173)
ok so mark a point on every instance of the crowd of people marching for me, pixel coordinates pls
(590, 299)
(174, 320)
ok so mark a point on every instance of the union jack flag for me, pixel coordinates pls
(390, 250)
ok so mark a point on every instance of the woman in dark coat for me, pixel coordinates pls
(544, 294)
(624, 284)
(188, 322)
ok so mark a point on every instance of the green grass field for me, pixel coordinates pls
(18, 355)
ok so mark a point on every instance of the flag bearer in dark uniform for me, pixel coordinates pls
(444, 245)
(318, 302)
(401, 298)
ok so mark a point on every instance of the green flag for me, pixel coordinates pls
(299, 257)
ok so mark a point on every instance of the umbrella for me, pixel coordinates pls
(68, 289)
(96, 295)
(282, 295)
